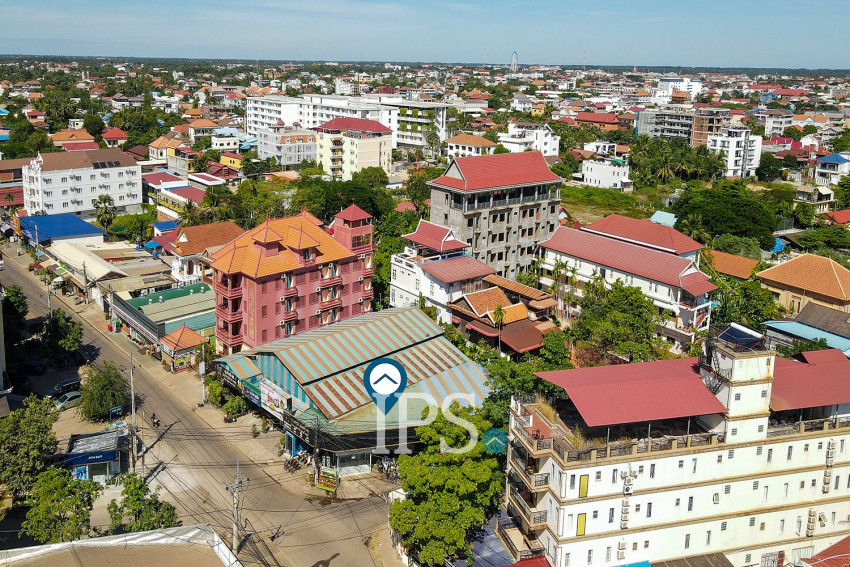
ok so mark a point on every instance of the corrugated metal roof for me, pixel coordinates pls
(242, 366)
(196, 322)
(457, 269)
(640, 392)
(820, 381)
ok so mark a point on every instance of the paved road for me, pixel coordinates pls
(192, 461)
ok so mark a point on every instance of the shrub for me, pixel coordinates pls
(235, 407)
(215, 395)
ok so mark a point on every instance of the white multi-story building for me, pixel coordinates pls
(832, 168)
(526, 136)
(674, 283)
(776, 121)
(316, 109)
(271, 110)
(668, 85)
(467, 145)
(71, 182)
(737, 452)
(416, 119)
(289, 146)
(740, 148)
(607, 173)
(435, 267)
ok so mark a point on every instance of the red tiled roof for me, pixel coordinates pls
(17, 194)
(499, 170)
(359, 124)
(191, 193)
(820, 380)
(640, 392)
(457, 269)
(697, 283)
(114, 134)
(435, 236)
(645, 232)
(159, 177)
(353, 213)
(839, 217)
(195, 239)
(836, 555)
(80, 146)
(597, 118)
(629, 258)
(405, 206)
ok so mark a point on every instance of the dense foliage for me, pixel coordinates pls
(140, 508)
(105, 386)
(61, 507)
(27, 440)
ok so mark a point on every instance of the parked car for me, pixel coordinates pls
(68, 400)
(63, 387)
(35, 368)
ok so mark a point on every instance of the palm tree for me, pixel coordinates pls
(557, 288)
(571, 280)
(189, 215)
(104, 211)
(498, 317)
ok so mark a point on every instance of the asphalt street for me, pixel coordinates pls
(192, 461)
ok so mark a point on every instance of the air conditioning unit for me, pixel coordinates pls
(621, 554)
(318, 289)
(282, 323)
(624, 525)
(361, 279)
(621, 545)
(827, 476)
(363, 256)
(825, 488)
(318, 311)
(628, 489)
(282, 299)
(629, 481)
(830, 461)
(810, 532)
(830, 453)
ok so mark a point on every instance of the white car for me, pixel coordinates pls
(68, 400)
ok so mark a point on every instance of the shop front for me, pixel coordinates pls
(96, 456)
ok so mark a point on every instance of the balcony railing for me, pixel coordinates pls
(535, 481)
(331, 281)
(228, 338)
(290, 291)
(229, 292)
(807, 426)
(331, 303)
(533, 517)
(229, 315)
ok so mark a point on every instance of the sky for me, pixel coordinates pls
(718, 33)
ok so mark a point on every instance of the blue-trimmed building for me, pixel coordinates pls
(813, 322)
(48, 229)
(313, 382)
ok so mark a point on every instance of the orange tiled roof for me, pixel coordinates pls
(195, 239)
(486, 300)
(732, 265)
(182, 339)
(811, 273)
(244, 255)
(511, 314)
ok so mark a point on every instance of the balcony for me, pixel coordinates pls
(330, 303)
(518, 544)
(228, 315)
(533, 480)
(229, 339)
(290, 291)
(368, 293)
(330, 282)
(290, 315)
(535, 519)
(227, 291)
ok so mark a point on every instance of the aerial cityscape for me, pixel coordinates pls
(469, 299)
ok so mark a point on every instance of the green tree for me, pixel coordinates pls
(804, 215)
(374, 177)
(500, 149)
(61, 507)
(27, 440)
(738, 245)
(202, 143)
(450, 495)
(418, 190)
(61, 335)
(617, 320)
(105, 386)
(798, 346)
(104, 211)
(769, 167)
(15, 309)
(498, 318)
(554, 354)
(140, 508)
(492, 134)
(93, 124)
(189, 214)
(742, 302)
(793, 133)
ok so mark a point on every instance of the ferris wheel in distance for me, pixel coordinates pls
(514, 62)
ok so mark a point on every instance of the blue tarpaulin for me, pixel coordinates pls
(778, 245)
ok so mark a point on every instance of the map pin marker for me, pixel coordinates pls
(385, 380)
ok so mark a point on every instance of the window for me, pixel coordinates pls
(598, 475)
(761, 428)
(764, 393)
(687, 541)
(637, 507)
(652, 471)
(634, 546)
(640, 469)
(607, 554)
(752, 521)
(790, 452)
(761, 527)
(690, 503)
(649, 509)
(263, 335)
(614, 476)
(646, 544)
(694, 463)
(755, 485)
(589, 556)
(708, 537)
(717, 498)
(722, 526)
(595, 514)
(738, 397)
(678, 501)
(610, 515)
(820, 446)
(814, 482)
(769, 455)
(572, 481)
(263, 311)
(748, 558)
(731, 453)
(781, 526)
(681, 464)
(719, 458)
(806, 448)
(734, 431)
(727, 489)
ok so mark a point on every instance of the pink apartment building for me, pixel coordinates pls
(291, 275)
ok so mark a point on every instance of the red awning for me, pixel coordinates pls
(641, 392)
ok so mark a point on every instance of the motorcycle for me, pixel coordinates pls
(155, 420)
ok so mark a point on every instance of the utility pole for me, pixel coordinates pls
(133, 435)
(85, 283)
(234, 488)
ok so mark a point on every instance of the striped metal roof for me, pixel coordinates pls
(241, 366)
(333, 349)
(343, 392)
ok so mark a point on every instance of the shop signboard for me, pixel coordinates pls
(273, 398)
(251, 392)
(327, 479)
